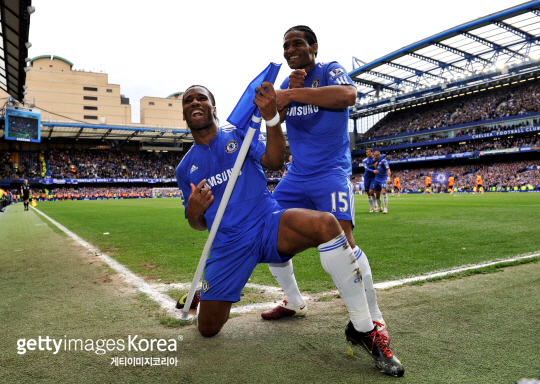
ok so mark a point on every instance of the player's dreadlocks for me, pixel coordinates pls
(310, 35)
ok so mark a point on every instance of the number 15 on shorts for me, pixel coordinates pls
(341, 200)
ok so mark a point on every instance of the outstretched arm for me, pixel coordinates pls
(266, 100)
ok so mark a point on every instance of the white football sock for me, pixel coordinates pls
(370, 201)
(371, 296)
(339, 262)
(284, 274)
(379, 203)
(385, 200)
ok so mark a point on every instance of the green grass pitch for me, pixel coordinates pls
(420, 234)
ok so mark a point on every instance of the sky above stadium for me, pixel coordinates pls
(161, 47)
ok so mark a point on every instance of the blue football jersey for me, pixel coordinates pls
(382, 166)
(214, 162)
(367, 163)
(319, 137)
(368, 166)
(288, 166)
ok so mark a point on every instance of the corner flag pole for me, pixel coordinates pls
(256, 119)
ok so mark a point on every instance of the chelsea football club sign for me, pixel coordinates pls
(440, 178)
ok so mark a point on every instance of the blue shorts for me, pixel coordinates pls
(334, 194)
(229, 267)
(378, 186)
(368, 181)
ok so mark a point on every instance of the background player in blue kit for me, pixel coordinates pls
(254, 228)
(314, 101)
(368, 179)
(382, 177)
(287, 166)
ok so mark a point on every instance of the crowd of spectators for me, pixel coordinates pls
(502, 174)
(88, 164)
(6, 165)
(105, 191)
(470, 146)
(27, 167)
(115, 164)
(85, 164)
(461, 133)
(501, 102)
(151, 164)
(85, 193)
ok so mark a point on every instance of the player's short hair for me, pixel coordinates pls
(308, 33)
(212, 99)
(369, 149)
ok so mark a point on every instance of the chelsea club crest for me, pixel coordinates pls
(231, 146)
(205, 286)
(441, 178)
(315, 83)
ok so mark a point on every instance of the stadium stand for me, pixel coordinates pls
(470, 146)
(95, 193)
(507, 176)
(464, 101)
(434, 150)
(503, 102)
(73, 164)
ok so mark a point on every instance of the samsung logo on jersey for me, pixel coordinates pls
(303, 110)
(220, 178)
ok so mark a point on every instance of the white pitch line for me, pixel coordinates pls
(168, 304)
(5, 211)
(154, 291)
(163, 287)
(390, 284)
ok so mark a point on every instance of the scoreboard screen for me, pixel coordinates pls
(23, 124)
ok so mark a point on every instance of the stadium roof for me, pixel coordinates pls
(157, 136)
(492, 43)
(15, 20)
